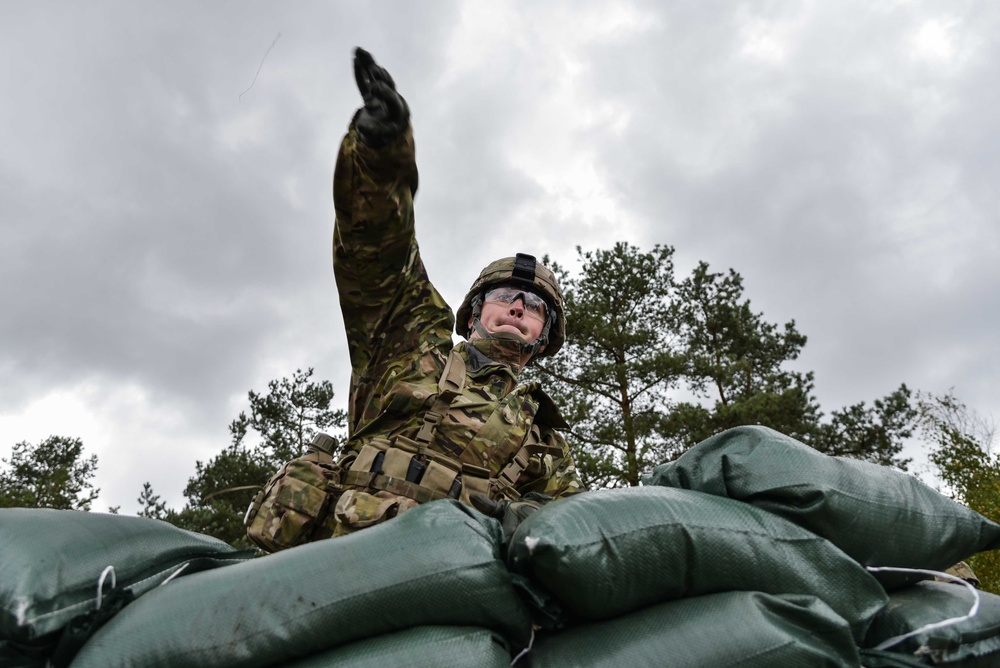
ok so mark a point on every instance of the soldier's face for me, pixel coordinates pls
(511, 318)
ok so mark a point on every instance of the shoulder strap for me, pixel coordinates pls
(450, 386)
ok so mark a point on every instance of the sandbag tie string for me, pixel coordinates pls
(973, 611)
(100, 583)
(110, 570)
(531, 641)
(176, 573)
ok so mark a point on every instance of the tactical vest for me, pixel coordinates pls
(413, 468)
(315, 497)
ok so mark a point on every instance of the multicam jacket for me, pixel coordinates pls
(399, 335)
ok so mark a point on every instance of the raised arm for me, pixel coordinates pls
(390, 308)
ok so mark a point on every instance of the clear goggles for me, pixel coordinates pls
(534, 304)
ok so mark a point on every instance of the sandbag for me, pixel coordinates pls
(606, 553)
(419, 647)
(51, 562)
(972, 642)
(437, 564)
(878, 516)
(12, 656)
(873, 658)
(740, 628)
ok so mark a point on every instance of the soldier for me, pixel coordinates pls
(429, 419)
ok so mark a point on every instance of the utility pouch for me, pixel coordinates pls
(295, 506)
(397, 463)
(475, 480)
(371, 456)
(439, 477)
(357, 510)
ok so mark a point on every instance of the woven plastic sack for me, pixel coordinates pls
(13, 657)
(437, 564)
(746, 629)
(419, 647)
(879, 516)
(604, 554)
(971, 642)
(873, 658)
(51, 562)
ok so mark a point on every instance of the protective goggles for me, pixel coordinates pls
(534, 305)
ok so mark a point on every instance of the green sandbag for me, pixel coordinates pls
(971, 642)
(606, 553)
(438, 564)
(51, 561)
(739, 628)
(879, 516)
(873, 658)
(12, 656)
(419, 647)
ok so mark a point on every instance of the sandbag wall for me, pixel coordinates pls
(749, 550)
(436, 566)
(752, 549)
(64, 573)
(429, 588)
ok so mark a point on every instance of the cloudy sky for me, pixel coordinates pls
(167, 231)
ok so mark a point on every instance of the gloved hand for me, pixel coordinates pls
(385, 114)
(510, 513)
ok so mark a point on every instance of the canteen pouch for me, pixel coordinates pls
(296, 505)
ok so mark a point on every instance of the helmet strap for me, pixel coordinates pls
(477, 311)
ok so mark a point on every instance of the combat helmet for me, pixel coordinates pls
(522, 270)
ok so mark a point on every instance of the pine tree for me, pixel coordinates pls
(286, 418)
(653, 365)
(52, 474)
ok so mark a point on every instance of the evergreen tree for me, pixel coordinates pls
(286, 418)
(652, 366)
(736, 361)
(875, 434)
(150, 504)
(620, 359)
(52, 474)
(289, 415)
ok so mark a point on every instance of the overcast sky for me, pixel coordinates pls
(166, 241)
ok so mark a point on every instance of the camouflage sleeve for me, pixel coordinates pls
(391, 310)
(564, 480)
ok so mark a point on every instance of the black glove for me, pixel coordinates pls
(385, 114)
(510, 513)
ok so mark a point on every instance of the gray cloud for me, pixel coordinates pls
(167, 242)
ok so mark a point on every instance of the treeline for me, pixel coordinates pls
(280, 424)
(653, 363)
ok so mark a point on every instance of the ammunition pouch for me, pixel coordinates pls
(407, 468)
(296, 505)
(400, 467)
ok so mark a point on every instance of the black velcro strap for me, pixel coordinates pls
(524, 268)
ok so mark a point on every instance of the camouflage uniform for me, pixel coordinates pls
(964, 571)
(399, 335)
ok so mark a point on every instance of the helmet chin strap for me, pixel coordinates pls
(525, 348)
